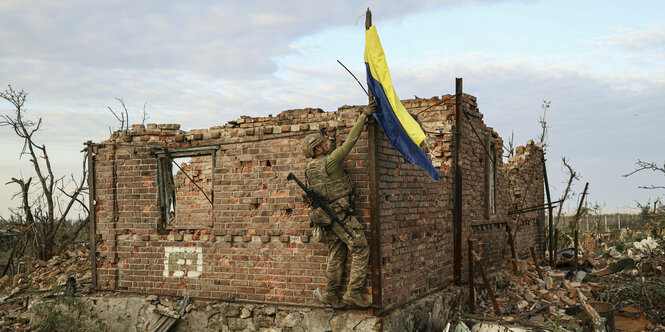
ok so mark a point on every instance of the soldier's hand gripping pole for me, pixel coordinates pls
(317, 201)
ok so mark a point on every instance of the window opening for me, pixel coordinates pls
(186, 190)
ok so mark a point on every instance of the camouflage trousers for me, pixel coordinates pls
(339, 243)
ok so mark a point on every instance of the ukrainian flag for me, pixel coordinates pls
(402, 130)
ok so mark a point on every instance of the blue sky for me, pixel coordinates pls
(202, 63)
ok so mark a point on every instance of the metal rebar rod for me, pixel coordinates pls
(535, 262)
(472, 293)
(490, 292)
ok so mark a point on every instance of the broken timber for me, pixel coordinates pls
(162, 321)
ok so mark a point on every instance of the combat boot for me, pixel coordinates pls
(329, 299)
(356, 299)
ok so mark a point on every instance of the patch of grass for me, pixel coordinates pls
(66, 314)
(620, 246)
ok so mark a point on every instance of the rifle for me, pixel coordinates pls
(317, 201)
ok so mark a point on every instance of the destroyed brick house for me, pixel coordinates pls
(209, 213)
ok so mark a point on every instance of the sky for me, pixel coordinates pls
(204, 63)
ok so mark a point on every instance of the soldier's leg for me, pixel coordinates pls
(336, 261)
(360, 260)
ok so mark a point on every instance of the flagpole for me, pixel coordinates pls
(375, 254)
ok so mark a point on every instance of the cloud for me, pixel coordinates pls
(223, 39)
(653, 39)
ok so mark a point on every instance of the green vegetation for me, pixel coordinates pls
(66, 314)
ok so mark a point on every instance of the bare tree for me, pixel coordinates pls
(47, 207)
(545, 106)
(643, 165)
(572, 176)
(124, 115)
(510, 149)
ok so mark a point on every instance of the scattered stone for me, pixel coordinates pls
(291, 320)
(529, 296)
(245, 312)
(557, 276)
(549, 282)
(269, 310)
(614, 253)
(522, 304)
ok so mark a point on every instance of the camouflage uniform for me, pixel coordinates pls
(337, 194)
(326, 176)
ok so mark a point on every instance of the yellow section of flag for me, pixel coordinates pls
(376, 60)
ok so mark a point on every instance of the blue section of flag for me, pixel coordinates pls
(394, 130)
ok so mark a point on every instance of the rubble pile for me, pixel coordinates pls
(41, 279)
(639, 289)
(629, 283)
(43, 276)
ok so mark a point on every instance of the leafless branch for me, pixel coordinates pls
(572, 175)
(545, 106)
(145, 115)
(643, 165)
(651, 187)
(75, 233)
(510, 149)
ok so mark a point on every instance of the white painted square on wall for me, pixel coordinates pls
(183, 262)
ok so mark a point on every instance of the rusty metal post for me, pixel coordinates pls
(472, 291)
(556, 245)
(577, 216)
(549, 209)
(535, 262)
(576, 248)
(457, 206)
(91, 214)
(490, 292)
(375, 234)
(513, 254)
(579, 208)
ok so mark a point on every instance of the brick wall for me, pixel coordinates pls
(524, 173)
(255, 243)
(258, 246)
(193, 189)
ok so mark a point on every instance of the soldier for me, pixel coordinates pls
(326, 175)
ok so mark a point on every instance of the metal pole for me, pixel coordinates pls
(535, 262)
(490, 292)
(92, 220)
(472, 294)
(556, 246)
(549, 208)
(577, 215)
(605, 223)
(373, 132)
(619, 221)
(576, 248)
(457, 207)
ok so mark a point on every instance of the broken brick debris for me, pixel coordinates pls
(566, 296)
